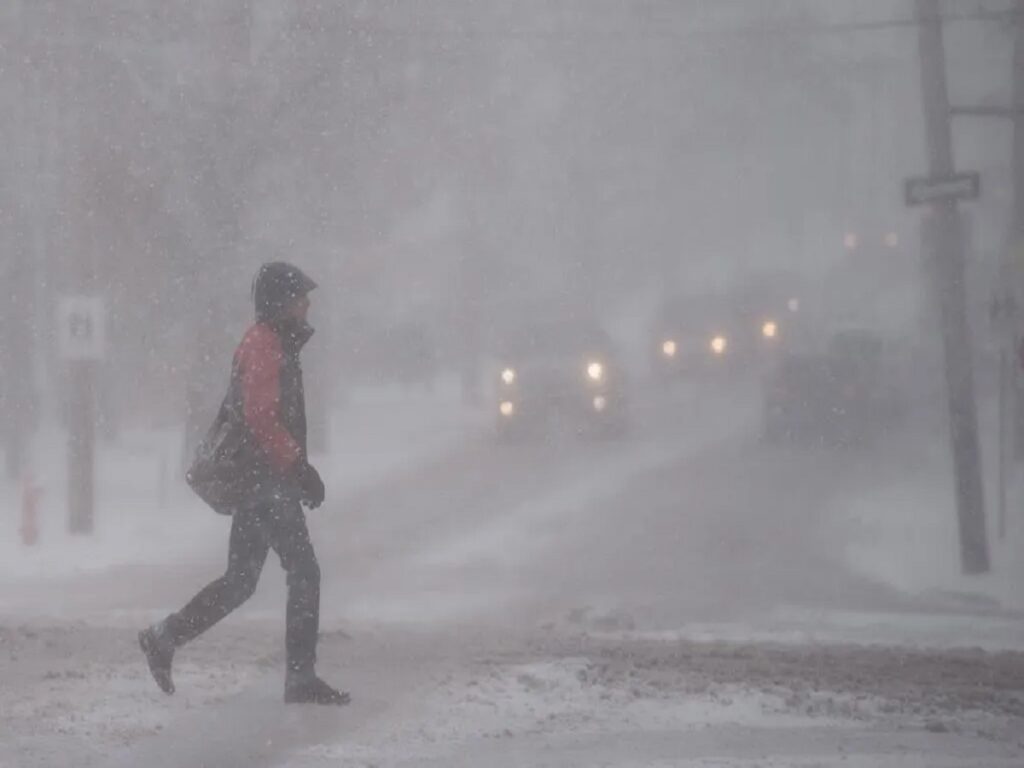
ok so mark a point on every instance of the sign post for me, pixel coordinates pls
(944, 242)
(81, 327)
(1003, 314)
(924, 190)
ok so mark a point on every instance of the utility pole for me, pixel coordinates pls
(943, 237)
(16, 388)
(78, 326)
(1018, 140)
(1016, 240)
(1008, 296)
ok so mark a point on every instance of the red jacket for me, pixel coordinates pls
(270, 382)
(260, 431)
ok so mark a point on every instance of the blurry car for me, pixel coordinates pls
(846, 395)
(560, 374)
(700, 336)
(693, 336)
(768, 316)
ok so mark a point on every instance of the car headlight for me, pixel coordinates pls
(669, 348)
(595, 371)
(508, 375)
(770, 329)
(600, 403)
(507, 408)
(719, 344)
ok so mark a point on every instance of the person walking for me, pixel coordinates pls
(252, 465)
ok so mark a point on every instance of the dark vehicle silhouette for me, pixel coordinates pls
(846, 395)
(558, 375)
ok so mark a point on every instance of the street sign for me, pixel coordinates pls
(81, 327)
(961, 186)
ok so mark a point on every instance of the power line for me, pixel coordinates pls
(588, 27)
(896, 23)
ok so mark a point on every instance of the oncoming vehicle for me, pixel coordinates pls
(693, 336)
(846, 395)
(560, 374)
(702, 336)
(768, 313)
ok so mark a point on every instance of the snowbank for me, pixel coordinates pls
(904, 533)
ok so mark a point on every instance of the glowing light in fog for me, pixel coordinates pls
(669, 348)
(507, 408)
(600, 403)
(508, 375)
(595, 371)
(719, 344)
(770, 329)
(793, 305)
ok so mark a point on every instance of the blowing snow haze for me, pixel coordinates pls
(656, 418)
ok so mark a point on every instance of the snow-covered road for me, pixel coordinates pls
(685, 597)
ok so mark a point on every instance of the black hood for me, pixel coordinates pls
(277, 285)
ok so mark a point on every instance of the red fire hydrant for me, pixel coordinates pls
(29, 511)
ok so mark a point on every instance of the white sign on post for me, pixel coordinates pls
(962, 186)
(81, 327)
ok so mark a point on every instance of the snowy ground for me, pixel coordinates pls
(896, 530)
(582, 702)
(686, 597)
(541, 698)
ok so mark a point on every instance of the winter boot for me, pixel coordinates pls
(159, 653)
(310, 689)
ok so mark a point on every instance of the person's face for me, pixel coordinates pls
(298, 309)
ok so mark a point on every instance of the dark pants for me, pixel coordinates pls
(280, 526)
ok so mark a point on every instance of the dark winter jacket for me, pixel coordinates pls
(258, 440)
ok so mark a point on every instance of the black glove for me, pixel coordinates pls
(310, 485)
